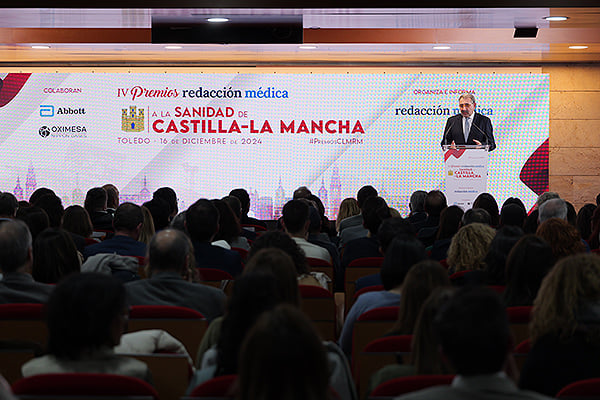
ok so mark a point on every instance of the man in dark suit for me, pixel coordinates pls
(468, 127)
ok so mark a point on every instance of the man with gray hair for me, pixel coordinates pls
(468, 127)
(16, 260)
(553, 208)
(545, 197)
(417, 207)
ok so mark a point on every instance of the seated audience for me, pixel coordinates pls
(553, 208)
(202, 224)
(495, 259)
(229, 233)
(169, 264)
(421, 280)
(356, 221)
(52, 204)
(417, 207)
(54, 256)
(127, 224)
(403, 253)
(348, 208)
(35, 218)
(584, 220)
(236, 207)
(244, 199)
(512, 214)
(16, 262)
(450, 220)
(526, 266)
(86, 316)
(170, 197)
(565, 330)
(478, 215)
(147, 230)
(159, 210)
(8, 206)
(475, 339)
(296, 222)
(282, 357)
(594, 238)
(425, 358)
(112, 198)
(561, 236)
(39, 192)
(95, 204)
(435, 202)
(76, 221)
(469, 246)
(487, 202)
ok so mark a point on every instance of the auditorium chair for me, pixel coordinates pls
(357, 269)
(216, 278)
(221, 387)
(171, 373)
(186, 325)
(11, 361)
(407, 384)
(518, 319)
(23, 322)
(520, 353)
(242, 252)
(319, 265)
(584, 389)
(379, 353)
(369, 326)
(258, 229)
(374, 288)
(319, 305)
(83, 386)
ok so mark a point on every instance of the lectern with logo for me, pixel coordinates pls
(466, 171)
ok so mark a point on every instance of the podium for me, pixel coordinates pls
(466, 173)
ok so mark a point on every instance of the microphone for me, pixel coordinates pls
(481, 130)
(446, 132)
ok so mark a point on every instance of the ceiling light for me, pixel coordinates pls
(556, 18)
(441, 47)
(40, 47)
(307, 47)
(578, 47)
(217, 19)
(172, 47)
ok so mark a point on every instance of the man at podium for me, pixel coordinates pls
(468, 127)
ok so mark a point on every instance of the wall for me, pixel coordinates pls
(575, 132)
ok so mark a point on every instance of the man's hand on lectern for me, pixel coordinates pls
(453, 145)
(477, 142)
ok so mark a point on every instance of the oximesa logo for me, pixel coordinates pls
(44, 131)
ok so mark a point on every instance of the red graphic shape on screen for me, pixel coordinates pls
(453, 152)
(11, 85)
(534, 173)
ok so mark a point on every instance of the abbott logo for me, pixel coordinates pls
(46, 111)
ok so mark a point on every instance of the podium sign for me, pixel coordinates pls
(466, 171)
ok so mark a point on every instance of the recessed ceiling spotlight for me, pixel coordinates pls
(441, 47)
(172, 47)
(307, 47)
(578, 47)
(40, 47)
(217, 19)
(556, 18)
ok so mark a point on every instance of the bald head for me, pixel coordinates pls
(168, 251)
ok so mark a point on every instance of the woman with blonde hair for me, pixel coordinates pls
(348, 208)
(469, 247)
(565, 330)
(147, 230)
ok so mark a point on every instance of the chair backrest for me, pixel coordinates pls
(407, 384)
(357, 269)
(23, 322)
(498, 288)
(370, 326)
(11, 361)
(584, 389)
(319, 305)
(83, 384)
(254, 228)
(518, 320)
(242, 252)
(171, 373)
(185, 324)
(219, 387)
(520, 353)
(374, 288)
(379, 353)
(319, 265)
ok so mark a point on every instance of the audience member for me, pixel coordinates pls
(169, 262)
(112, 198)
(301, 193)
(127, 224)
(403, 253)
(476, 215)
(39, 192)
(450, 220)
(495, 259)
(527, 264)
(542, 198)
(475, 339)
(147, 230)
(469, 246)
(8, 206)
(35, 218)
(16, 261)
(348, 208)
(417, 207)
(435, 202)
(86, 316)
(426, 358)
(244, 198)
(229, 233)
(421, 280)
(202, 224)
(52, 204)
(168, 195)
(236, 207)
(565, 330)
(487, 202)
(95, 204)
(553, 208)
(296, 222)
(363, 194)
(531, 222)
(54, 256)
(160, 211)
(561, 236)
(77, 221)
(282, 357)
(584, 220)
(512, 214)
(571, 214)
